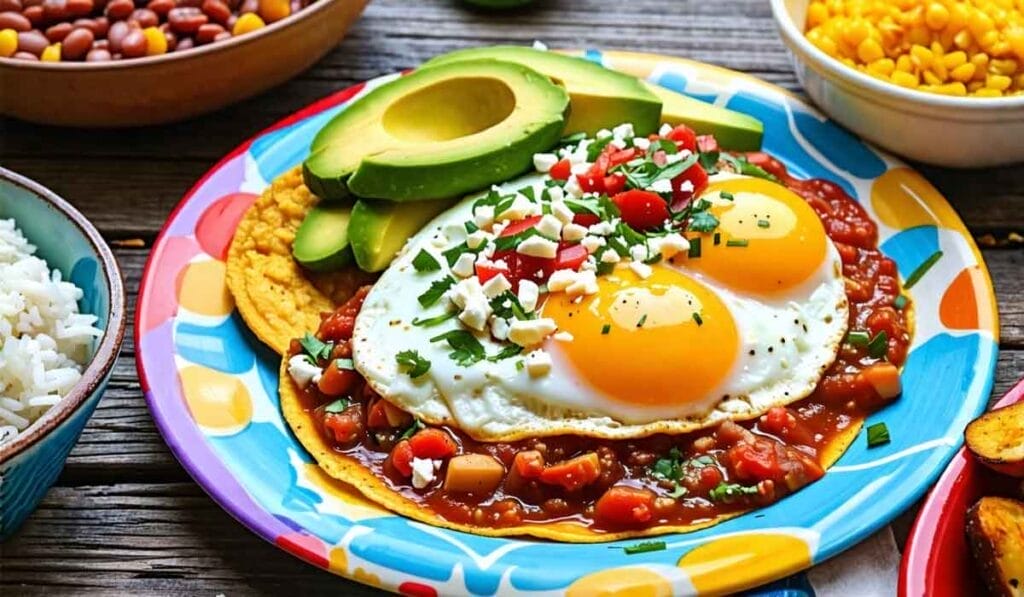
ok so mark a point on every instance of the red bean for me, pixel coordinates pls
(134, 44)
(186, 20)
(55, 10)
(76, 44)
(79, 8)
(27, 3)
(188, 3)
(10, 5)
(102, 26)
(145, 17)
(34, 14)
(14, 20)
(206, 33)
(160, 7)
(116, 35)
(98, 55)
(33, 42)
(58, 32)
(119, 9)
(26, 56)
(101, 44)
(185, 43)
(217, 11)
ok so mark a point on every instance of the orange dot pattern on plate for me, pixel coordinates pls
(959, 307)
(630, 581)
(750, 558)
(218, 402)
(204, 290)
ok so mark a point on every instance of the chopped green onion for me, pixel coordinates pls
(858, 338)
(677, 492)
(520, 365)
(697, 318)
(727, 492)
(315, 348)
(694, 248)
(640, 323)
(899, 302)
(763, 224)
(703, 221)
(337, 406)
(879, 345)
(878, 435)
(718, 238)
(471, 227)
(646, 546)
(922, 269)
(411, 431)
(344, 364)
(574, 138)
(726, 195)
(416, 364)
(425, 262)
(605, 329)
(436, 291)
(432, 321)
(737, 242)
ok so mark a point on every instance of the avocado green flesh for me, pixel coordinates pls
(733, 130)
(600, 98)
(322, 240)
(379, 229)
(438, 132)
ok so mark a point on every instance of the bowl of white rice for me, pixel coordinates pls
(62, 319)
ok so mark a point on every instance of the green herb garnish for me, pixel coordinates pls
(411, 431)
(718, 238)
(507, 352)
(697, 318)
(858, 338)
(345, 364)
(899, 302)
(466, 349)
(471, 227)
(572, 139)
(916, 275)
(703, 221)
(737, 242)
(646, 546)
(436, 291)
(416, 365)
(694, 251)
(337, 406)
(425, 262)
(315, 348)
(605, 329)
(727, 195)
(432, 321)
(727, 492)
(763, 224)
(879, 345)
(878, 435)
(643, 318)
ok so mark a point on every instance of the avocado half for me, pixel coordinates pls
(601, 98)
(437, 132)
(733, 130)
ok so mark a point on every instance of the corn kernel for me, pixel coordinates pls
(1003, 67)
(979, 23)
(921, 56)
(51, 53)
(156, 42)
(962, 73)
(976, 85)
(954, 59)
(904, 79)
(817, 14)
(1000, 82)
(903, 63)
(986, 92)
(956, 88)
(937, 16)
(247, 23)
(869, 50)
(963, 40)
(882, 66)
(930, 78)
(8, 42)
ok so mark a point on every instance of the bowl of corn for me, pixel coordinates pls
(938, 81)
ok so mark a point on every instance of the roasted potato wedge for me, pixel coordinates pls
(995, 531)
(997, 439)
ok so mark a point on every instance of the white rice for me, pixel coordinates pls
(44, 341)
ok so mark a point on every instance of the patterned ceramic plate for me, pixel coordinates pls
(212, 387)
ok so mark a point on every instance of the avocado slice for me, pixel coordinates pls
(733, 130)
(438, 132)
(601, 98)
(322, 240)
(379, 229)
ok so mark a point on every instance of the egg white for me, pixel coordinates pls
(494, 401)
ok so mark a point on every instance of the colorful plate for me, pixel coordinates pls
(937, 560)
(212, 387)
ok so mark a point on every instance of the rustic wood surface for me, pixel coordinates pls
(125, 517)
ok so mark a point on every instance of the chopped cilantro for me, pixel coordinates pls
(879, 345)
(916, 275)
(425, 262)
(878, 435)
(727, 492)
(452, 255)
(743, 166)
(703, 221)
(416, 365)
(858, 338)
(337, 406)
(316, 349)
(900, 302)
(466, 349)
(572, 139)
(411, 431)
(436, 291)
(677, 492)
(605, 329)
(432, 321)
(471, 227)
(646, 546)
(709, 161)
(507, 306)
(507, 352)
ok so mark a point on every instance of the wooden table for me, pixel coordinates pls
(125, 517)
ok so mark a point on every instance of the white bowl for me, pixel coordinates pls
(962, 132)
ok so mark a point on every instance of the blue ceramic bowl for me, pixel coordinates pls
(30, 463)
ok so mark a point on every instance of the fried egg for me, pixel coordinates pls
(750, 323)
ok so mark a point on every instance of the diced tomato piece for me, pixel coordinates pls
(561, 170)
(433, 443)
(754, 461)
(570, 257)
(520, 226)
(375, 418)
(574, 473)
(684, 137)
(642, 210)
(783, 424)
(695, 175)
(614, 183)
(529, 464)
(586, 219)
(622, 156)
(707, 143)
(624, 505)
(401, 457)
(336, 382)
(338, 326)
(487, 271)
(343, 426)
(709, 478)
(592, 181)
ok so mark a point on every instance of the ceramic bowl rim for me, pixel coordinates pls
(197, 53)
(906, 99)
(110, 345)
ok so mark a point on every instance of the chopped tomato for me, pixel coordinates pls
(622, 156)
(375, 418)
(614, 183)
(338, 382)
(707, 143)
(561, 170)
(433, 443)
(338, 326)
(696, 176)
(624, 505)
(401, 457)
(485, 272)
(574, 473)
(586, 219)
(783, 424)
(592, 181)
(754, 461)
(684, 137)
(642, 210)
(384, 415)
(709, 478)
(529, 464)
(344, 427)
(571, 257)
(520, 226)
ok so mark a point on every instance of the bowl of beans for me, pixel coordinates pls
(937, 81)
(111, 63)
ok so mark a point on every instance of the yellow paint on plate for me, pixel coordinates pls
(337, 560)
(218, 402)
(629, 581)
(744, 560)
(366, 577)
(903, 199)
(356, 507)
(203, 289)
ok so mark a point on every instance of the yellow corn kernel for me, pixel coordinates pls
(979, 23)
(156, 42)
(869, 50)
(904, 79)
(882, 66)
(274, 10)
(817, 14)
(921, 56)
(988, 40)
(1002, 67)
(919, 35)
(930, 78)
(937, 49)
(247, 23)
(955, 88)
(962, 73)
(51, 53)
(954, 59)
(975, 85)
(1015, 37)
(1020, 82)
(8, 42)
(986, 92)
(1000, 82)
(940, 70)
(963, 40)
(957, 17)
(937, 16)
(904, 64)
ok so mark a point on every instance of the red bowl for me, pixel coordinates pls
(937, 561)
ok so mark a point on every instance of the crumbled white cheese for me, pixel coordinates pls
(669, 245)
(638, 252)
(537, 246)
(475, 239)
(561, 211)
(665, 130)
(456, 233)
(585, 283)
(483, 216)
(579, 155)
(672, 158)
(439, 240)
(641, 269)
(538, 363)
(686, 186)
(496, 285)
(602, 228)
(475, 314)
(544, 161)
(617, 144)
(302, 371)
(561, 279)
(463, 267)
(581, 168)
(573, 232)
(662, 185)
(562, 336)
(422, 472)
(610, 255)
(589, 264)
(550, 226)
(623, 131)
(603, 134)
(466, 291)
(555, 194)
(528, 295)
(499, 227)
(531, 332)
(592, 243)
(642, 143)
(572, 187)
(499, 328)
(521, 208)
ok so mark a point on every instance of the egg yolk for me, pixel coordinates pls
(660, 341)
(768, 239)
